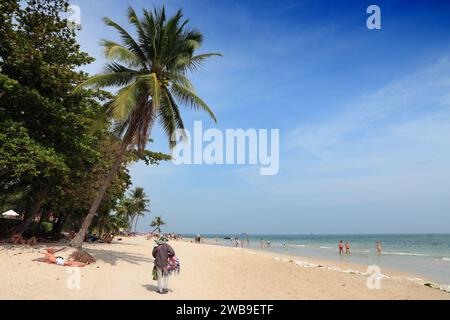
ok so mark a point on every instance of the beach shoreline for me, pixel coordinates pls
(208, 271)
(334, 265)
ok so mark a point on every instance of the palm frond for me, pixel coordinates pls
(133, 18)
(154, 88)
(124, 102)
(189, 98)
(109, 79)
(126, 38)
(197, 61)
(115, 51)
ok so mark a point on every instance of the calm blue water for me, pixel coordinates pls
(427, 255)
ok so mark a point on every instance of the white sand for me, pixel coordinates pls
(123, 271)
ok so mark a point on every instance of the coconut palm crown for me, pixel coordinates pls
(151, 72)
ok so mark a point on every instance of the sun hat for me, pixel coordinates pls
(161, 240)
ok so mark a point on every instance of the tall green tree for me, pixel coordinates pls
(43, 125)
(151, 72)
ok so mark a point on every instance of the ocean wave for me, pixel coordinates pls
(325, 247)
(445, 259)
(298, 245)
(405, 254)
(362, 251)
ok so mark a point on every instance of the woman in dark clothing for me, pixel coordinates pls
(162, 252)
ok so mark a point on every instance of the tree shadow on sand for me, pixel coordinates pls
(112, 257)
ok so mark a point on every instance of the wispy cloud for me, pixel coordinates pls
(408, 117)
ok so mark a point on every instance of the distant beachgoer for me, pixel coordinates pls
(378, 247)
(17, 239)
(248, 242)
(72, 235)
(268, 244)
(162, 252)
(32, 241)
(262, 243)
(347, 248)
(341, 247)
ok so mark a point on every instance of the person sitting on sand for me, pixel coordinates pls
(32, 241)
(50, 258)
(17, 239)
(347, 248)
(341, 247)
(108, 238)
(162, 252)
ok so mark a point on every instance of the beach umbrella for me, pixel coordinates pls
(10, 213)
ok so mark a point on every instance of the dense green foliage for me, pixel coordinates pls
(54, 147)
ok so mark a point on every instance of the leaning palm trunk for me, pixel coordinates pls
(129, 139)
(157, 228)
(77, 242)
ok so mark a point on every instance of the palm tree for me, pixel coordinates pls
(151, 72)
(133, 206)
(140, 201)
(125, 210)
(108, 223)
(157, 223)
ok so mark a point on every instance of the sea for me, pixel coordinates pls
(426, 255)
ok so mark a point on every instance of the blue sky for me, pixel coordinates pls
(364, 116)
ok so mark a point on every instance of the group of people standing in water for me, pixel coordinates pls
(341, 247)
(348, 251)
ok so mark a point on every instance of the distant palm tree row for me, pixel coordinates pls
(127, 214)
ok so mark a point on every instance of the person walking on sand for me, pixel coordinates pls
(347, 248)
(162, 252)
(378, 247)
(341, 247)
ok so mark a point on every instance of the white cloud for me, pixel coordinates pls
(406, 117)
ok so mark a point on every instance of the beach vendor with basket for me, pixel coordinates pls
(165, 264)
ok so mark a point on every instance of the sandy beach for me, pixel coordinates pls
(123, 271)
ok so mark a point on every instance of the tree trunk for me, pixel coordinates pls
(130, 227)
(77, 242)
(42, 216)
(155, 230)
(31, 213)
(135, 224)
(58, 226)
